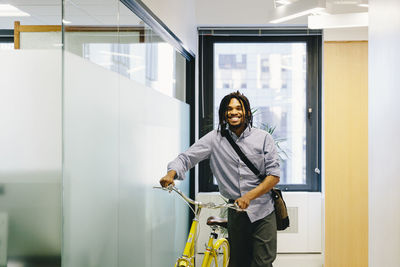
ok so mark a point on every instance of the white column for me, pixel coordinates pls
(384, 133)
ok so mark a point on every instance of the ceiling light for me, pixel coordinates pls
(66, 21)
(363, 3)
(7, 10)
(299, 14)
(348, 20)
(282, 2)
(295, 10)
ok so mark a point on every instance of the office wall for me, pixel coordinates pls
(346, 34)
(30, 155)
(384, 132)
(346, 153)
(232, 12)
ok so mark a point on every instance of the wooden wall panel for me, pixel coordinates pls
(346, 154)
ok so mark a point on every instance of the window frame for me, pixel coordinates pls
(207, 39)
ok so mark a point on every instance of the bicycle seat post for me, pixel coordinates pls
(214, 233)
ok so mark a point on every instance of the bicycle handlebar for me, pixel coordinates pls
(209, 205)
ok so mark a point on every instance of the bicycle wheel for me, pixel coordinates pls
(220, 253)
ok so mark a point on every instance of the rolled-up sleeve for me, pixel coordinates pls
(271, 157)
(197, 152)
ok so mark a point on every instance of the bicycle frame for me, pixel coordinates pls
(187, 258)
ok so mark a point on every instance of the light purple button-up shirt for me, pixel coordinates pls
(233, 176)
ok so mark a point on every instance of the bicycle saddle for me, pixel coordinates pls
(212, 220)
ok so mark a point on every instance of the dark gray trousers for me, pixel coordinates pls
(252, 244)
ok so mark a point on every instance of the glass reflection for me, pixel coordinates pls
(132, 50)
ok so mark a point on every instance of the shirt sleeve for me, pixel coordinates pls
(271, 157)
(197, 152)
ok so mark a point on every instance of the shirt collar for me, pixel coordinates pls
(245, 133)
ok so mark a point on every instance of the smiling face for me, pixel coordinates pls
(235, 114)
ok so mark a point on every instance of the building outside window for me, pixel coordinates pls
(278, 77)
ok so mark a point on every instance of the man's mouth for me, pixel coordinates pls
(234, 119)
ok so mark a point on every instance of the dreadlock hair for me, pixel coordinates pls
(223, 107)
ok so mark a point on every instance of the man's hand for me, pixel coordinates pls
(168, 179)
(243, 202)
(265, 186)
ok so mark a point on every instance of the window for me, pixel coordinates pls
(6, 39)
(281, 77)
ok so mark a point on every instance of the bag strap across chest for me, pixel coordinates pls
(243, 157)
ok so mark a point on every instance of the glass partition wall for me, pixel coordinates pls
(30, 134)
(124, 119)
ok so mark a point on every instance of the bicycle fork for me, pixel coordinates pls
(187, 258)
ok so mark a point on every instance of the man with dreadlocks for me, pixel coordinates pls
(252, 234)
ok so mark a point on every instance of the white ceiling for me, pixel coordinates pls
(104, 12)
(78, 12)
(333, 7)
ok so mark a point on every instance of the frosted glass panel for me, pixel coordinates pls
(90, 164)
(30, 158)
(122, 124)
(154, 128)
(118, 138)
(40, 40)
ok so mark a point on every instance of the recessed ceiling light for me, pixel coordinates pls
(7, 10)
(66, 21)
(295, 9)
(363, 5)
(298, 14)
(283, 2)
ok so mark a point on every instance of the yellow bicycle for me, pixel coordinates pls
(217, 249)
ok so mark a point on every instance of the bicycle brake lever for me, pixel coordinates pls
(168, 188)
